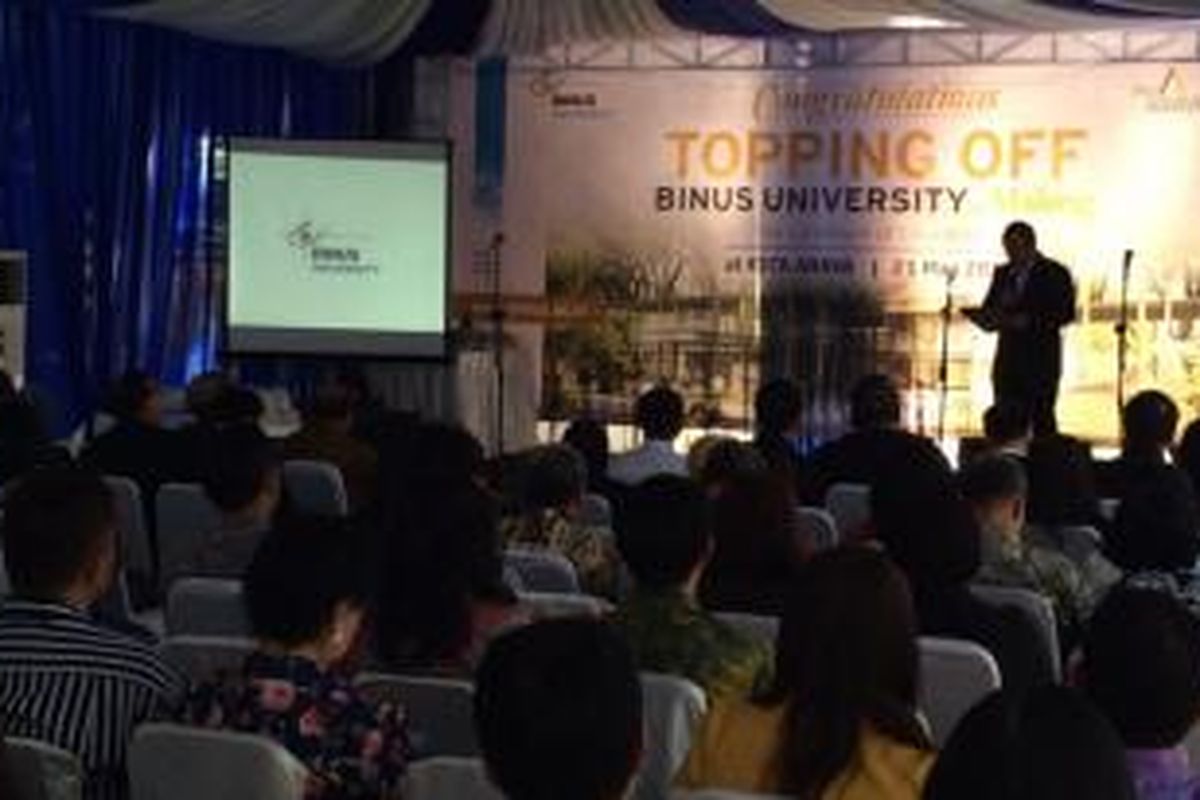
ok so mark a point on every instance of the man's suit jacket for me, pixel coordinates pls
(1048, 299)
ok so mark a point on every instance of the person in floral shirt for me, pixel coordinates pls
(554, 479)
(305, 594)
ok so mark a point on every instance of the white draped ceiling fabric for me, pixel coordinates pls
(365, 31)
(833, 15)
(343, 31)
(529, 27)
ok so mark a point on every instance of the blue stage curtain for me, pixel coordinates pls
(109, 142)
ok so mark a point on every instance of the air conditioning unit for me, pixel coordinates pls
(12, 313)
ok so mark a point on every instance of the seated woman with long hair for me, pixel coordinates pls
(443, 596)
(758, 544)
(840, 721)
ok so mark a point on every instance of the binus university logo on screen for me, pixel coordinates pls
(329, 253)
(1174, 94)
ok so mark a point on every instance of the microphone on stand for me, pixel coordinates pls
(1122, 330)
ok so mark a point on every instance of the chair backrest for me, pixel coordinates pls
(596, 511)
(440, 711)
(136, 553)
(672, 707)
(40, 771)
(1192, 744)
(543, 570)
(765, 628)
(850, 506)
(203, 658)
(449, 778)
(206, 607)
(818, 527)
(955, 676)
(548, 605)
(184, 516)
(316, 487)
(174, 762)
(1077, 542)
(1037, 608)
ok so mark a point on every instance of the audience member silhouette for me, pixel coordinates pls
(1142, 668)
(665, 537)
(443, 595)
(758, 545)
(306, 593)
(778, 405)
(1044, 744)
(839, 721)
(659, 415)
(64, 678)
(137, 447)
(930, 531)
(877, 449)
(558, 711)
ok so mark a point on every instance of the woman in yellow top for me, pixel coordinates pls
(839, 722)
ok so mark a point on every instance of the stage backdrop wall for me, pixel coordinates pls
(711, 226)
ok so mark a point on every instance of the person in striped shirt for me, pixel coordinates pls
(65, 679)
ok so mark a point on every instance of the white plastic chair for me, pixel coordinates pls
(818, 527)
(136, 553)
(449, 778)
(1192, 744)
(765, 628)
(40, 771)
(5, 583)
(206, 607)
(850, 506)
(548, 605)
(543, 570)
(440, 711)
(1037, 608)
(596, 511)
(1109, 506)
(672, 708)
(316, 487)
(174, 762)
(184, 515)
(202, 658)
(955, 676)
(1077, 542)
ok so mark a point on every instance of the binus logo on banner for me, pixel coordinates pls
(1173, 95)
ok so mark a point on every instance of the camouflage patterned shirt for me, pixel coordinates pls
(1027, 565)
(671, 634)
(592, 550)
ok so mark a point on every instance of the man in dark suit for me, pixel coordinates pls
(1030, 299)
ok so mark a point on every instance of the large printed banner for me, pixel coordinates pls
(714, 226)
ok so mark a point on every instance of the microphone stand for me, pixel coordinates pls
(497, 313)
(944, 360)
(1122, 331)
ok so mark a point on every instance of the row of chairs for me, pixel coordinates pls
(955, 675)
(184, 514)
(849, 505)
(171, 761)
(199, 606)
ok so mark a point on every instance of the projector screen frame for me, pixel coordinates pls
(369, 149)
